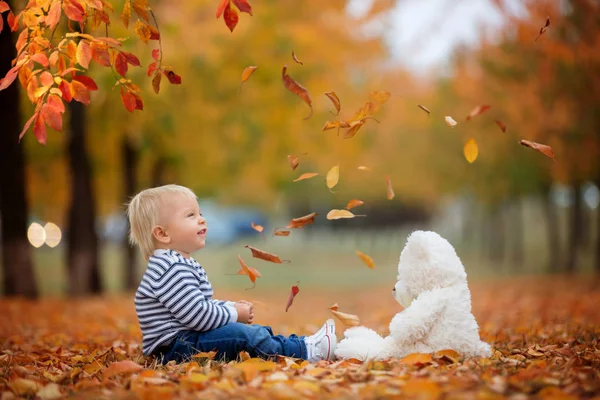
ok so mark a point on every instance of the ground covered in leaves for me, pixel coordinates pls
(544, 332)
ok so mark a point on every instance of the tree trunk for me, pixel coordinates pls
(598, 234)
(497, 236)
(553, 233)
(158, 171)
(129, 153)
(517, 234)
(82, 257)
(575, 230)
(19, 278)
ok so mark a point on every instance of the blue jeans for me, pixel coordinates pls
(230, 339)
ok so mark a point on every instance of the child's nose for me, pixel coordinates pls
(201, 220)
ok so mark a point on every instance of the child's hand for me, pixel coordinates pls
(245, 312)
(245, 302)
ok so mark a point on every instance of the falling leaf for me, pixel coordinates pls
(296, 58)
(294, 161)
(501, 125)
(247, 73)
(380, 96)
(302, 221)
(366, 259)
(390, 190)
(340, 214)
(121, 367)
(248, 271)
(306, 175)
(294, 87)
(478, 110)
(450, 121)
(471, 150)
(347, 319)
(355, 126)
(257, 228)
(251, 272)
(336, 102)
(542, 148)
(424, 109)
(333, 176)
(295, 290)
(363, 168)
(281, 233)
(354, 203)
(543, 29)
(263, 255)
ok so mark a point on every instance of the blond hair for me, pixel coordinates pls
(143, 211)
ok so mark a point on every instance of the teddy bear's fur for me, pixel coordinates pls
(432, 288)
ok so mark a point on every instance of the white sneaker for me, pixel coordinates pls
(321, 345)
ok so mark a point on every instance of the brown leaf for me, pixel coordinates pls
(121, 367)
(336, 102)
(281, 233)
(302, 221)
(390, 190)
(417, 358)
(293, 292)
(333, 176)
(478, 110)
(366, 259)
(354, 203)
(296, 58)
(306, 175)
(471, 150)
(354, 126)
(340, 214)
(542, 148)
(346, 319)
(156, 82)
(294, 161)
(424, 109)
(294, 87)
(450, 121)
(257, 228)
(263, 255)
(247, 73)
(543, 29)
(380, 96)
(501, 125)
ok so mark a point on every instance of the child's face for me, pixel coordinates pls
(184, 226)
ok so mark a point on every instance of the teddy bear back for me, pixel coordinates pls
(429, 261)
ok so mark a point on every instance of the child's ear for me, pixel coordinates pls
(159, 233)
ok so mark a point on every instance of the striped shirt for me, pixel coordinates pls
(175, 295)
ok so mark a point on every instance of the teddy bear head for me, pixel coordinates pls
(428, 261)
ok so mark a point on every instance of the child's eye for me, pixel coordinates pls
(190, 214)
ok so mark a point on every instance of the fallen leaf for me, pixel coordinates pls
(542, 148)
(471, 150)
(339, 214)
(366, 259)
(294, 161)
(333, 176)
(450, 121)
(390, 190)
(336, 102)
(424, 109)
(302, 221)
(281, 233)
(380, 96)
(346, 319)
(121, 367)
(294, 87)
(478, 110)
(205, 354)
(295, 290)
(501, 125)
(23, 387)
(448, 355)
(263, 255)
(354, 203)
(417, 358)
(543, 29)
(296, 58)
(49, 392)
(306, 175)
(247, 73)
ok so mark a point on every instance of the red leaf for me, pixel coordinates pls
(11, 75)
(154, 35)
(231, 17)
(139, 104)
(39, 129)
(80, 92)
(12, 22)
(52, 117)
(4, 6)
(27, 125)
(65, 88)
(128, 100)
(56, 102)
(87, 81)
(221, 7)
(131, 59)
(296, 88)
(53, 15)
(295, 290)
(1, 23)
(41, 58)
(73, 10)
(173, 77)
(151, 68)
(156, 54)
(243, 6)
(121, 64)
(478, 110)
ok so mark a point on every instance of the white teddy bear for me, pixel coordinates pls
(432, 287)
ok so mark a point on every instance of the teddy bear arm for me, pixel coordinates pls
(414, 323)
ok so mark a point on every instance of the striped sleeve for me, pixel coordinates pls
(179, 291)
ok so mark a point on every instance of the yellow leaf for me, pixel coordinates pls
(126, 14)
(306, 175)
(471, 150)
(23, 387)
(338, 214)
(449, 355)
(335, 100)
(247, 73)
(143, 31)
(333, 176)
(354, 203)
(346, 319)
(363, 168)
(417, 358)
(366, 259)
(380, 96)
(84, 54)
(252, 366)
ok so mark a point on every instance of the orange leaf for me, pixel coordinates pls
(84, 54)
(363, 168)
(143, 31)
(73, 10)
(257, 228)
(478, 110)
(366, 259)
(471, 150)
(140, 7)
(156, 82)
(243, 6)
(380, 96)
(126, 13)
(448, 355)
(128, 99)
(542, 148)
(355, 126)
(340, 214)
(41, 58)
(263, 255)
(417, 358)
(334, 307)
(121, 367)
(205, 354)
(306, 175)
(335, 124)
(295, 290)
(247, 73)
(354, 203)
(65, 88)
(156, 54)
(4, 6)
(335, 100)
(87, 81)
(296, 58)
(52, 116)
(390, 190)
(153, 67)
(39, 129)
(221, 7)
(252, 273)
(231, 17)
(121, 64)
(294, 87)
(501, 125)
(281, 233)
(302, 221)
(80, 92)
(100, 54)
(424, 109)
(27, 125)
(346, 319)
(543, 29)
(53, 16)
(450, 121)
(294, 161)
